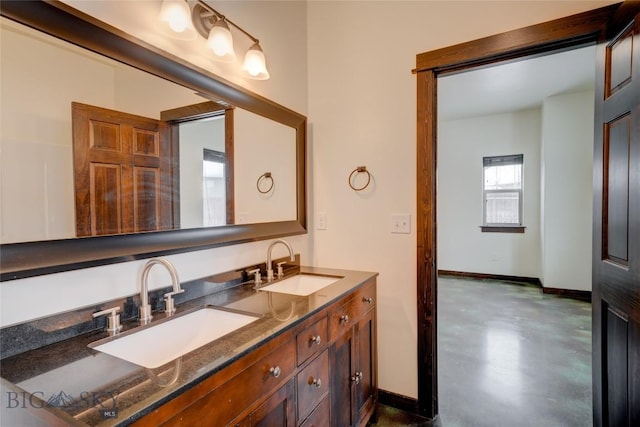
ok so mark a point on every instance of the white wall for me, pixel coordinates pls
(356, 58)
(461, 146)
(567, 190)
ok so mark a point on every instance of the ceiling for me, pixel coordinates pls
(515, 85)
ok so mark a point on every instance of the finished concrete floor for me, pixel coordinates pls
(392, 417)
(509, 355)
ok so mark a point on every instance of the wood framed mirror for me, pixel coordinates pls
(23, 259)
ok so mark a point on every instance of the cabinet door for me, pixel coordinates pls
(366, 382)
(343, 410)
(279, 410)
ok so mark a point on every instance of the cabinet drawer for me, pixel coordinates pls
(319, 417)
(365, 298)
(311, 340)
(226, 402)
(341, 319)
(313, 385)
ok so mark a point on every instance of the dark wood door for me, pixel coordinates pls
(342, 394)
(353, 374)
(366, 390)
(122, 172)
(616, 248)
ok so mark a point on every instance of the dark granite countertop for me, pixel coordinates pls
(81, 386)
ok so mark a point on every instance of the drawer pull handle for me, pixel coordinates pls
(315, 340)
(316, 382)
(344, 318)
(275, 371)
(357, 377)
(368, 300)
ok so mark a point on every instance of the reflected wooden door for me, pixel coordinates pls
(616, 261)
(122, 172)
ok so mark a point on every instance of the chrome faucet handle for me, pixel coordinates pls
(280, 272)
(257, 278)
(113, 320)
(169, 305)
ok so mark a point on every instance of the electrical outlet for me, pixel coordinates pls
(321, 221)
(401, 223)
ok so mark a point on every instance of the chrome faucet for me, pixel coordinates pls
(145, 308)
(269, 264)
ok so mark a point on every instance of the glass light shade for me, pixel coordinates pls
(255, 63)
(177, 15)
(220, 41)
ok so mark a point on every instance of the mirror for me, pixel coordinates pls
(39, 216)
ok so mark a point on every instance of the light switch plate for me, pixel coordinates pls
(401, 223)
(321, 221)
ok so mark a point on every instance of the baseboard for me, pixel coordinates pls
(407, 404)
(566, 293)
(532, 280)
(569, 293)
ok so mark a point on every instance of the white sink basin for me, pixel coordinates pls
(302, 284)
(160, 344)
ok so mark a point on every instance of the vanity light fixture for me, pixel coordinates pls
(214, 27)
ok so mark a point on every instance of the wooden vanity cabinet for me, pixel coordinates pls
(326, 376)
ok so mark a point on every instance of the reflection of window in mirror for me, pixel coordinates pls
(213, 188)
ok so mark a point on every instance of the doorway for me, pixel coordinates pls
(515, 155)
(552, 36)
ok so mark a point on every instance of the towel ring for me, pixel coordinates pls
(265, 176)
(355, 172)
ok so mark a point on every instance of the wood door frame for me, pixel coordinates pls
(560, 34)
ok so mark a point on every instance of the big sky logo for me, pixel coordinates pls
(104, 402)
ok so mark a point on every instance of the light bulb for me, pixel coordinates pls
(176, 14)
(220, 41)
(255, 63)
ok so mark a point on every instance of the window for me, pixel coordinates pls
(502, 193)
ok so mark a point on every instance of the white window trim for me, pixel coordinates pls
(520, 225)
